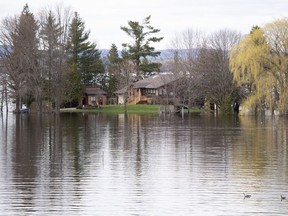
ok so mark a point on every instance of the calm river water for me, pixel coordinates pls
(93, 164)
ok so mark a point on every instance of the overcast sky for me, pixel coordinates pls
(104, 17)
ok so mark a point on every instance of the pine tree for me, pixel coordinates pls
(84, 58)
(141, 49)
(73, 91)
(84, 53)
(113, 55)
(113, 68)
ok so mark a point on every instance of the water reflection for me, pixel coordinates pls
(93, 164)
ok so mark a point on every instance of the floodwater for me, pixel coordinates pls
(93, 164)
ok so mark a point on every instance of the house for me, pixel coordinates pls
(94, 96)
(151, 90)
(121, 95)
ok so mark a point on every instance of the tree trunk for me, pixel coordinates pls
(2, 101)
(57, 105)
(17, 109)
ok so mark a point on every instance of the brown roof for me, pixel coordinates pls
(152, 82)
(94, 91)
(155, 81)
(121, 91)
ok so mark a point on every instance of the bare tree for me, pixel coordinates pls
(213, 65)
(53, 34)
(122, 72)
(203, 63)
(185, 47)
(16, 80)
(25, 51)
(3, 87)
(19, 56)
(125, 77)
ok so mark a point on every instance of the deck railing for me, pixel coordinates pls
(136, 100)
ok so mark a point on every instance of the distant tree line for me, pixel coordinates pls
(47, 60)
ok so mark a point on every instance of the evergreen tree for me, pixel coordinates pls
(83, 56)
(141, 48)
(148, 66)
(113, 55)
(73, 90)
(84, 53)
(113, 68)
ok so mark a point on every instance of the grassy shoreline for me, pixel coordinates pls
(119, 109)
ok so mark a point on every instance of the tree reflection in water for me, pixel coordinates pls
(76, 163)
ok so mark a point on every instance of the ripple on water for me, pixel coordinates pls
(95, 165)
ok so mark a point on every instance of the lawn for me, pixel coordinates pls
(131, 109)
(117, 109)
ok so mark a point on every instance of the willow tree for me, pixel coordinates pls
(259, 64)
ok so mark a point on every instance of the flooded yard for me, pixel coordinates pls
(94, 164)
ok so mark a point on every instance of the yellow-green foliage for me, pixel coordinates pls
(260, 61)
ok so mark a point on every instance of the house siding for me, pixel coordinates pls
(94, 96)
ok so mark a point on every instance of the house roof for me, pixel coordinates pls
(94, 91)
(156, 81)
(152, 82)
(121, 91)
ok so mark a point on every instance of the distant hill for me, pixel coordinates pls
(165, 54)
